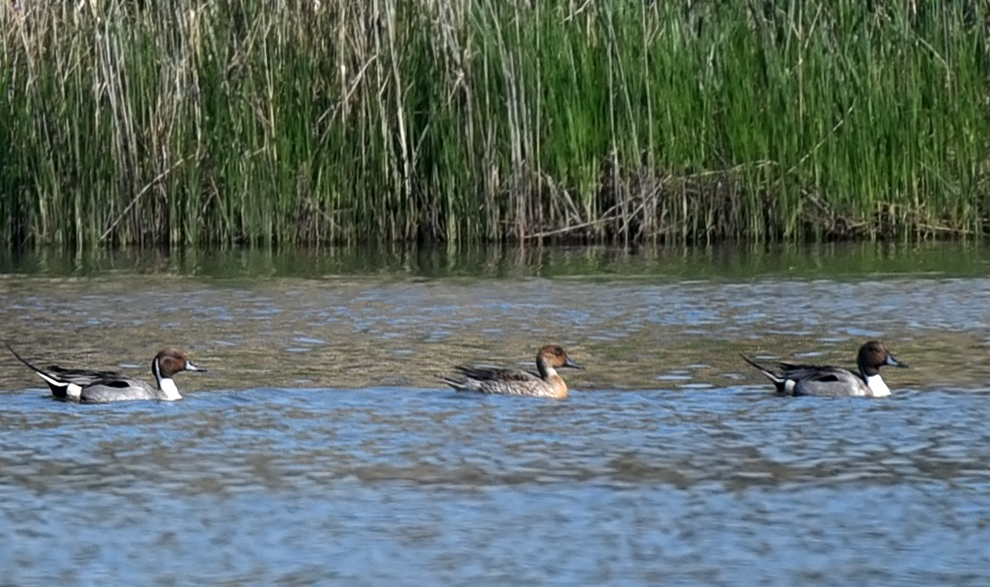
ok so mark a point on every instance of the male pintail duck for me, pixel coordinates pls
(834, 381)
(108, 386)
(517, 382)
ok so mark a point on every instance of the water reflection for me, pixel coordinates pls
(727, 261)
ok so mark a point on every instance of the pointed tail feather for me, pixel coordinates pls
(20, 358)
(779, 382)
(457, 384)
(773, 376)
(60, 389)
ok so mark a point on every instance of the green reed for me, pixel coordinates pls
(246, 121)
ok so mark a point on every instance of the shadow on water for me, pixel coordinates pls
(321, 448)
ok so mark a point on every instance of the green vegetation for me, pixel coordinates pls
(262, 122)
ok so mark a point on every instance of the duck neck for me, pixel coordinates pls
(546, 371)
(877, 385)
(550, 375)
(866, 370)
(165, 384)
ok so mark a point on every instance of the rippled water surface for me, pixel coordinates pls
(320, 447)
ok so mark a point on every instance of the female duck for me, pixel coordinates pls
(516, 382)
(108, 386)
(834, 381)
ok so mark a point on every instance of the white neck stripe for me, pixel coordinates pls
(877, 386)
(167, 385)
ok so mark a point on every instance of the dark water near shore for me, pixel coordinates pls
(321, 449)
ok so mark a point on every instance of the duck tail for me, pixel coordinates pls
(59, 388)
(779, 381)
(21, 359)
(762, 369)
(457, 384)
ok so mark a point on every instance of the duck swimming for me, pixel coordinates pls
(834, 381)
(107, 386)
(547, 383)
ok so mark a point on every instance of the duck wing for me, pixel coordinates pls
(496, 374)
(813, 372)
(117, 389)
(496, 380)
(825, 381)
(80, 377)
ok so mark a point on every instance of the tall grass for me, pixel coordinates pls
(252, 121)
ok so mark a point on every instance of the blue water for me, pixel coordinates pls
(409, 486)
(321, 449)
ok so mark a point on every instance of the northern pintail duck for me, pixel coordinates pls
(835, 381)
(107, 386)
(515, 381)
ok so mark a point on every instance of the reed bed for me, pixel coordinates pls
(220, 122)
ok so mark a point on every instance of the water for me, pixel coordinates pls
(321, 449)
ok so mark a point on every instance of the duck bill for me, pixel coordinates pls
(894, 362)
(572, 365)
(192, 367)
